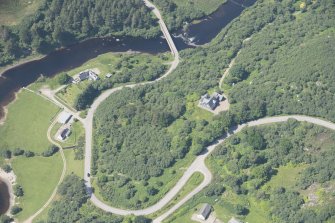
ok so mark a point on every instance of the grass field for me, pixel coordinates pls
(13, 11)
(27, 123)
(73, 166)
(38, 176)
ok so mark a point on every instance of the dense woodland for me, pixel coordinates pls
(293, 61)
(176, 16)
(62, 22)
(73, 199)
(248, 161)
(132, 134)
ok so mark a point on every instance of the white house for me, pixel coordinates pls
(65, 133)
(84, 75)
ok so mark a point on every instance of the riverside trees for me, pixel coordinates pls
(60, 23)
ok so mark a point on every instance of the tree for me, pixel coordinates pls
(215, 189)
(241, 210)
(18, 152)
(15, 210)
(18, 191)
(28, 153)
(7, 154)
(236, 74)
(152, 191)
(7, 168)
(255, 139)
(63, 78)
(50, 151)
(142, 219)
(5, 219)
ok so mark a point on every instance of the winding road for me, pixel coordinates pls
(88, 124)
(198, 164)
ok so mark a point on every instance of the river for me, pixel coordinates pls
(65, 59)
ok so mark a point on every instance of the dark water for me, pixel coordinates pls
(4, 197)
(62, 60)
(203, 32)
(65, 59)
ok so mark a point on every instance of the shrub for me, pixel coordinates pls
(7, 168)
(215, 190)
(16, 209)
(50, 151)
(5, 219)
(7, 154)
(63, 78)
(18, 152)
(142, 219)
(18, 191)
(152, 191)
(29, 153)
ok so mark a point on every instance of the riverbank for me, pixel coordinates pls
(4, 113)
(10, 180)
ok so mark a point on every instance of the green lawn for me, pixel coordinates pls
(38, 176)
(287, 176)
(13, 11)
(73, 166)
(190, 185)
(28, 120)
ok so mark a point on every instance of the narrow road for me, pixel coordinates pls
(88, 124)
(199, 162)
(31, 218)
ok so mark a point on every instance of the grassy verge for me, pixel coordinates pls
(27, 123)
(190, 185)
(38, 177)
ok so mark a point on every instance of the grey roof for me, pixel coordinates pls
(205, 210)
(212, 101)
(84, 75)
